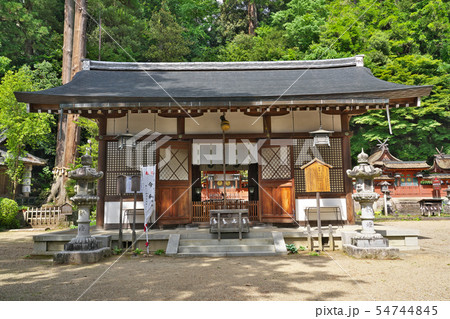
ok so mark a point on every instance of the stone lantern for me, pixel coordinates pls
(367, 243)
(364, 173)
(84, 199)
(385, 190)
(83, 248)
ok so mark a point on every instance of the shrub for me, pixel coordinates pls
(291, 249)
(8, 213)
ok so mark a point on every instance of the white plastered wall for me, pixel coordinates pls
(138, 122)
(302, 204)
(209, 123)
(305, 121)
(112, 213)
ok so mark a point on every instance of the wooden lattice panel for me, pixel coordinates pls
(173, 164)
(275, 163)
(126, 161)
(304, 152)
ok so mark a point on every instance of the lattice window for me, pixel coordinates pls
(173, 164)
(275, 163)
(126, 161)
(304, 152)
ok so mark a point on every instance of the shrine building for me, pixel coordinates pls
(281, 116)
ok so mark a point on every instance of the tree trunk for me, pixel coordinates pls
(79, 36)
(68, 132)
(252, 18)
(68, 37)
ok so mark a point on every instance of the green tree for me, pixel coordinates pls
(417, 131)
(21, 129)
(122, 24)
(267, 45)
(31, 31)
(165, 37)
(302, 21)
(238, 17)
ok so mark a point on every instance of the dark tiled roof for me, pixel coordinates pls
(114, 82)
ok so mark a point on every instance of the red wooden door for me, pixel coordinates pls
(276, 186)
(173, 195)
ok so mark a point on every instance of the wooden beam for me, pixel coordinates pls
(271, 112)
(165, 113)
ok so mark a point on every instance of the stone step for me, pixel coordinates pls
(208, 235)
(225, 249)
(224, 242)
(230, 254)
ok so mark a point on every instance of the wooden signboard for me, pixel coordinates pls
(436, 183)
(317, 176)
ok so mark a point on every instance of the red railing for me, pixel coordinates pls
(409, 191)
(200, 210)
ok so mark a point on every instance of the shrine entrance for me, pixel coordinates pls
(210, 194)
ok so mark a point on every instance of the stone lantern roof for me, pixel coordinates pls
(364, 169)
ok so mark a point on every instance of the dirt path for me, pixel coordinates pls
(418, 275)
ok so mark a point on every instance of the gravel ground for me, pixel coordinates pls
(418, 275)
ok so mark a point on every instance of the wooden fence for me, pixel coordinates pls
(200, 210)
(43, 216)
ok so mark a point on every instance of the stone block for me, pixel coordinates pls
(55, 245)
(172, 244)
(346, 237)
(81, 257)
(411, 241)
(39, 248)
(103, 241)
(279, 243)
(372, 252)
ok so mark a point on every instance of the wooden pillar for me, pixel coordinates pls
(267, 125)
(180, 126)
(101, 185)
(347, 164)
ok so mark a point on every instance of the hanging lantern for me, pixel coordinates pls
(126, 139)
(321, 136)
(224, 124)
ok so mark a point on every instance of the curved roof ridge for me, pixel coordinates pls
(223, 66)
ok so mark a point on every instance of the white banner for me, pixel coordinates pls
(148, 174)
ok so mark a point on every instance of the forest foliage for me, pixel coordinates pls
(404, 41)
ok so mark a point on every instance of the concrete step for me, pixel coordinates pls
(226, 248)
(224, 242)
(230, 254)
(208, 235)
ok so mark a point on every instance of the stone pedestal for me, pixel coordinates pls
(81, 257)
(84, 241)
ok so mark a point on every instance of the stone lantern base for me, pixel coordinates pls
(81, 257)
(370, 246)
